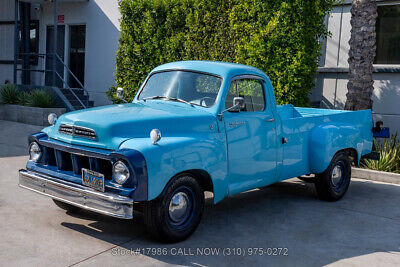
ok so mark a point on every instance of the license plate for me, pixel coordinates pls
(93, 179)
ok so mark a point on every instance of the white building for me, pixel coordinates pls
(332, 77)
(88, 32)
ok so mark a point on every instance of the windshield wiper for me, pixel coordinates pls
(180, 100)
(167, 98)
(154, 97)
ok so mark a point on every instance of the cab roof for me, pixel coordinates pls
(223, 69)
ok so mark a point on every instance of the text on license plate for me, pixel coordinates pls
(93, 179)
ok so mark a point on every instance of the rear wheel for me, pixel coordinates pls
(175, 215)
(332, 184)
(67, 207)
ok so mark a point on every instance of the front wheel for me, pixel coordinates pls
(175, 215)
(332, 184)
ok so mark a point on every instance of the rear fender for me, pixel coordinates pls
(327, 139)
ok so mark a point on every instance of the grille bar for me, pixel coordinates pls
(65, 161)
(66, 129)
(77, 131)
(79, 162)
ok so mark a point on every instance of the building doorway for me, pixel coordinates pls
(77, 36)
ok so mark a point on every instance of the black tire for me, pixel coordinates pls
(67, 207)
(164, 224)
(332, 184)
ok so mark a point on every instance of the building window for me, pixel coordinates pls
(6, 42)
(33, 41)
(388, 35)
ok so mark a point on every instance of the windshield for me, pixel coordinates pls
(184, 86)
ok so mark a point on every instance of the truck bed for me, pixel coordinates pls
(298, 123)
(290, 112)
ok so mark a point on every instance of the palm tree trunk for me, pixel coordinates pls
(361, 54)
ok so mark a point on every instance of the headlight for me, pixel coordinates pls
(120, 172)
(52, 118)
(34, 152)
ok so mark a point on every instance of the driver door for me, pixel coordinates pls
(251, 137)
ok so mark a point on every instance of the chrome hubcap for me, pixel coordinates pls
(336, 175)
(178, 206)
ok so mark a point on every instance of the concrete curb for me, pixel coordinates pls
(386, 177)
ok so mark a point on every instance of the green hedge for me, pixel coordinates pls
(279, 37)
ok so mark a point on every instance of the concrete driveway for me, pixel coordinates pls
(361, 229)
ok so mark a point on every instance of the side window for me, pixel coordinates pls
(251, 90)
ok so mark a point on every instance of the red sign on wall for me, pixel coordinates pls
(60, 18)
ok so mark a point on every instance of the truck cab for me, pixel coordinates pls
(193, 126)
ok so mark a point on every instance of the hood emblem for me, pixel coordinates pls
(78, 131)
(236, 124)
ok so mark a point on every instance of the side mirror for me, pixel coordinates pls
(238, 104)
(120, 94)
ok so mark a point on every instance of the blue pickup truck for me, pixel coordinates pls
(194, 126)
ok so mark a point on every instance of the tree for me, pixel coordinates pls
(361, 55)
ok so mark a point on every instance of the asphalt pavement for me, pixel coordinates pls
(284, 224)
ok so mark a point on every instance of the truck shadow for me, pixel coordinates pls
(286, 215)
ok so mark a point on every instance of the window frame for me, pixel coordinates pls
(260, 79)
(187, 70)
(376, 30)
(33, 59)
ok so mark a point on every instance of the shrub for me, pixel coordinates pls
(389, 153)
(279, 37)
(24, 99)
(9, 94)
(41, 99)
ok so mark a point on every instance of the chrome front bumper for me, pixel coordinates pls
(77, 195)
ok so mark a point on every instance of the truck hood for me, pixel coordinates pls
(115, 124)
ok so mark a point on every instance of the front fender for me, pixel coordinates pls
(173, 155)
(329, 138)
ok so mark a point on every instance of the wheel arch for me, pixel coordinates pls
(202, 177)
(352, 154)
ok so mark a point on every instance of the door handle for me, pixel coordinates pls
(270, 120)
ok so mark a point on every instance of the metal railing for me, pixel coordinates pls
(65, 83)
(72, 91)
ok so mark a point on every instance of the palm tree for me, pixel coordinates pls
(361, 54)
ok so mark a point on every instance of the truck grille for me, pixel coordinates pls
(65, 161)
(77, 131)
